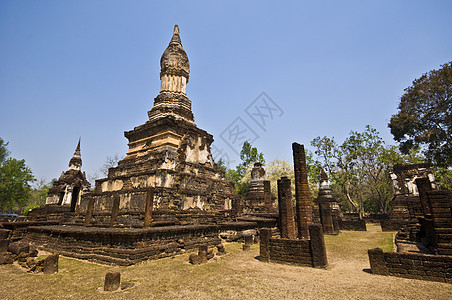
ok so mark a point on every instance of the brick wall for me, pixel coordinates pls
(392, 225)
(411, 265)
(121, 246)
(440, 204)
(297, 252)
(301, 252)
(357, 224)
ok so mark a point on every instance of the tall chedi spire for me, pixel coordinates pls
(76, 161)
(174, 73)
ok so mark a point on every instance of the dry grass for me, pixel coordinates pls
(238, 275)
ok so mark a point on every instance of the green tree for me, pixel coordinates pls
(276, 169)
(358, 169)
(443, 177)
(424, 118)
(15, 179)
(38, 194)
(248, 155)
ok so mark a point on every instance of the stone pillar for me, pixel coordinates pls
(149, 208)
(303, 200)
(317, 244)
(264, 247)
(221, 250)
(4, 244)
(268, 196)
(286, 216)
(377, 262)
(114, 210)
(249, 240)
(89, 211)
(50, 265)
(202, 253)
(112, 281)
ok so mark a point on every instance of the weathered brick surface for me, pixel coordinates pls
(4, 244)
(127, 246)
(286, 215)
(4, 234)
(89, 211)
(301, 252)
(317, 245)
(50, 264)
(112, 281)
(115, 210)
(302, 194)
(326, 218)
(353, 224)
(440, 207)
(264, 238)
(377, 261)
(149, 208)
(411, 265)
(290, 251)
(19, 247)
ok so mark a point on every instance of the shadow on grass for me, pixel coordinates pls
(367, 271)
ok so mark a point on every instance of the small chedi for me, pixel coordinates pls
(326, 208)
(72, 184)
(259, 198)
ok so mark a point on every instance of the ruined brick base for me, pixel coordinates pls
(414, 266)
(128, 246)
(301, 252)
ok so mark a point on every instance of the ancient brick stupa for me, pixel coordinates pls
(326, 206)
(168, 153)
(68, 189)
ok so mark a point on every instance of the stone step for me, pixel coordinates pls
(444, 251)
(445, 230)
(445, 245)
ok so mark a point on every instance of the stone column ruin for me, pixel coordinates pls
(264, 246)
(317, 244)
(286, 215)
(303, 201)
(112, 281)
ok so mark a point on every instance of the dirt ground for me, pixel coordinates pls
(237, 275)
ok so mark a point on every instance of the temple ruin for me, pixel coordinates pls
(425, 250)
(406, 204)
(167, 196)
(259, 197)
(326, 207)
(168, 154)
(300, 241)
(68, 190)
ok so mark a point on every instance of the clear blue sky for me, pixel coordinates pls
(91, 69)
